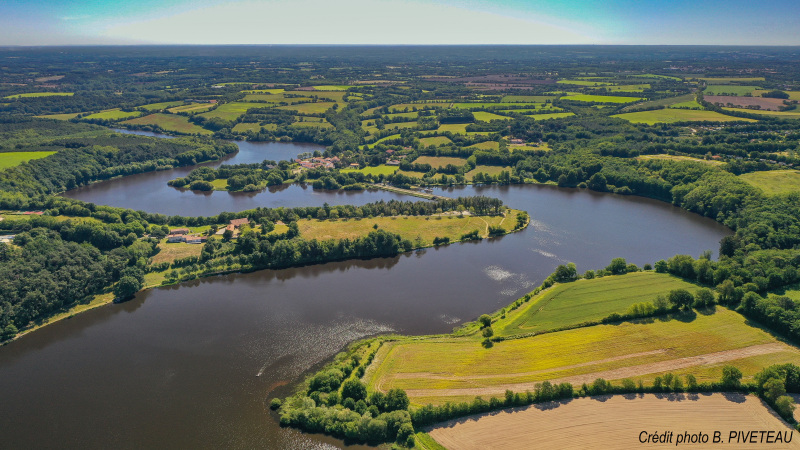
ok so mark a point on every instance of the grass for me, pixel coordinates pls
(169, 122)
(601, 98)
(161, 106)
(382, 169)
(340, 87)
(584, 83)
(41, 94)
(333, 96)
(59, 116)
(317, 122)
(114, 114)
(551, 116)
(588, 300)
(11, 159)
(778, 114)
(526, 98)
(489, 170)
(724, 80)
(677, 115)
(309, 108)
(419, 229)
(435, 140)
(245, 127)
(402, 106)
(384, 139)
(177, 250)
(728, 89)
(650, 75)
(793, 95)
(627, 88)
(774, 182)
(440, 161)
(458, 128)
(230, 111)
(487, 145)
(191, 107)
(682, 158)
(662, 102)
(538, 108)
(442, 369)
(264, 91)
(690, 104)
(484, 116)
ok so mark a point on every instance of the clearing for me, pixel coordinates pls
(382, 169)
(712, 162)
(488, 170)
(177, 250)
(11, 159)
(309, 108)
(440, 161)
(484, 116)
(435, 140)
(611, 422)
(774, 182)
(41, 94)
(114, 114)
(678, 115)
(169, 122)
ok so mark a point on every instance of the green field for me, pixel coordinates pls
(161, 106)
(340, 87)
(384, 139)
(41, 94)
(538, 108)
(333, 96)
(601, 98)
(410, 106)
(455, 369)
(793, 95)
(794, 114)
(484, 116)
(383, 169)
(435, 140)
(662, 102)
(229, 111)
(458, 128)
(690, 104)
(488, 145)
(678, 115)
(588, 300)
(191, 107)
(440, 161)
(584, 83)
(114, 114)
(729, 89)
(489, 170)
(169, 122)
(551, 116)
(312, 122)
(526, 98)
(309, 108)
(627, 88)
(774, 182)
(245, 127)
(725, 80)
(59, 116)
(264, 91)
(650, 75)
(11, 159)
(274, 98)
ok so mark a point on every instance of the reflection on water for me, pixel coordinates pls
(192, 365)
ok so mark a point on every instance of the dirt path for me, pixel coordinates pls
(613, 374)
(617, 422)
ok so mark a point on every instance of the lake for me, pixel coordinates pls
(194, 365)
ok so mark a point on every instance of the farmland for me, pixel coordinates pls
(794, 114)
(168, 122)
(229, 111)
(191, 108)
(729, 89)
(114, 115)
(441, 369)
(600, 98)
(763, 103)
(435, 140)
(609, 422)
(678, 115)
(484, 116)
(41, 94)
(774, 182)
(59, 116)
(681, 158)
(588, 300)
(309, 108)
(440, 161)
(171, 252)
(161, 106)
(551, 116)
(11, 159)
(526, 98)
(383, 169)
(488, 170)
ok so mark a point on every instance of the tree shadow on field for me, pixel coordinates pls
(708, 310)
(735, 397)
(601, 398)
(547, 406)
(672, 396)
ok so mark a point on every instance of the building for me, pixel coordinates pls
(195, 239)
(237, 223)
(173, 238)
(180, 231)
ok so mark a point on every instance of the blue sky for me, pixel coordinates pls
(731, 22)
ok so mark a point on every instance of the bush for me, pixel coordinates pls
(354, 389)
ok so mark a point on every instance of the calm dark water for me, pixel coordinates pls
(192, 366)
(150, 192)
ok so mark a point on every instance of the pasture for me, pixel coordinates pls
(690, 104)
(245, 127)
(712, 162)
(794, 114)
(309, 108)
(764, 103)
(774, 182)
(229, 111)
(171, 252)
(626, 88)
(391, 137)
(382, 169)
(488, 170)
(114, 115)
(440, 161)
(191, 108)
(729, 89)
(340, 87)
(443, 369)
(678, 115)
(588, 300)
(662, 102)
(41, 94)
(609, 422)
(11, 159)
(600, 98)
(435, 140)
(312, 122)
(488, 145)
(560, 115)
(484, 116)
(161, 106)
(726, 80)
(526, 98)
(59, 116)
(168, 122)
(457, 128)
(584, 83)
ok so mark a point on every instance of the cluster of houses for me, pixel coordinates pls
(318, 163)
(182, 235)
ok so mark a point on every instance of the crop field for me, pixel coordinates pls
(484, 116)
(114, 114)
(793, 95)
(729, 89)
(726, 80)
(610, 422)
(587, 300)
(488, 145)
(601, 98)
(340, 87)
(191, 107)
(59, 116)
(627, 88)
(264, 91)
(334, 96)
(440, 161)
(177, 250)
(409, 227)
(169, 122)
(161, 106)
(11, 159)
(774, 182)
(662, 102)
(678, 115)
(230, 111)
(584, 82)
(436, 370)
(435, 140)
(489, 170)
(406, 107)
(538, 108)
(458, 128)
(309, 108)
(526, 98)
(483, 105)
(275, 98)
(682, 158)
(690, 104)
(764, 103)
(382, 169)
(650, 75)
(41, 94)
(551, 116)
(794, 114)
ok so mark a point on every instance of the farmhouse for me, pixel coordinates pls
(172, 238)
(195, 239)
(235, 224)
(180, 231)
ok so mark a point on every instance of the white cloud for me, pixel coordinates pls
(340, 22)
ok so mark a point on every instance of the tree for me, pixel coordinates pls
(126, 287)
(661, 266)
(703, 298)
(396, 400)
(354, 389)
(485, 320)
(731, 377)
(618, 266)
(681, 298)
(565, 274)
